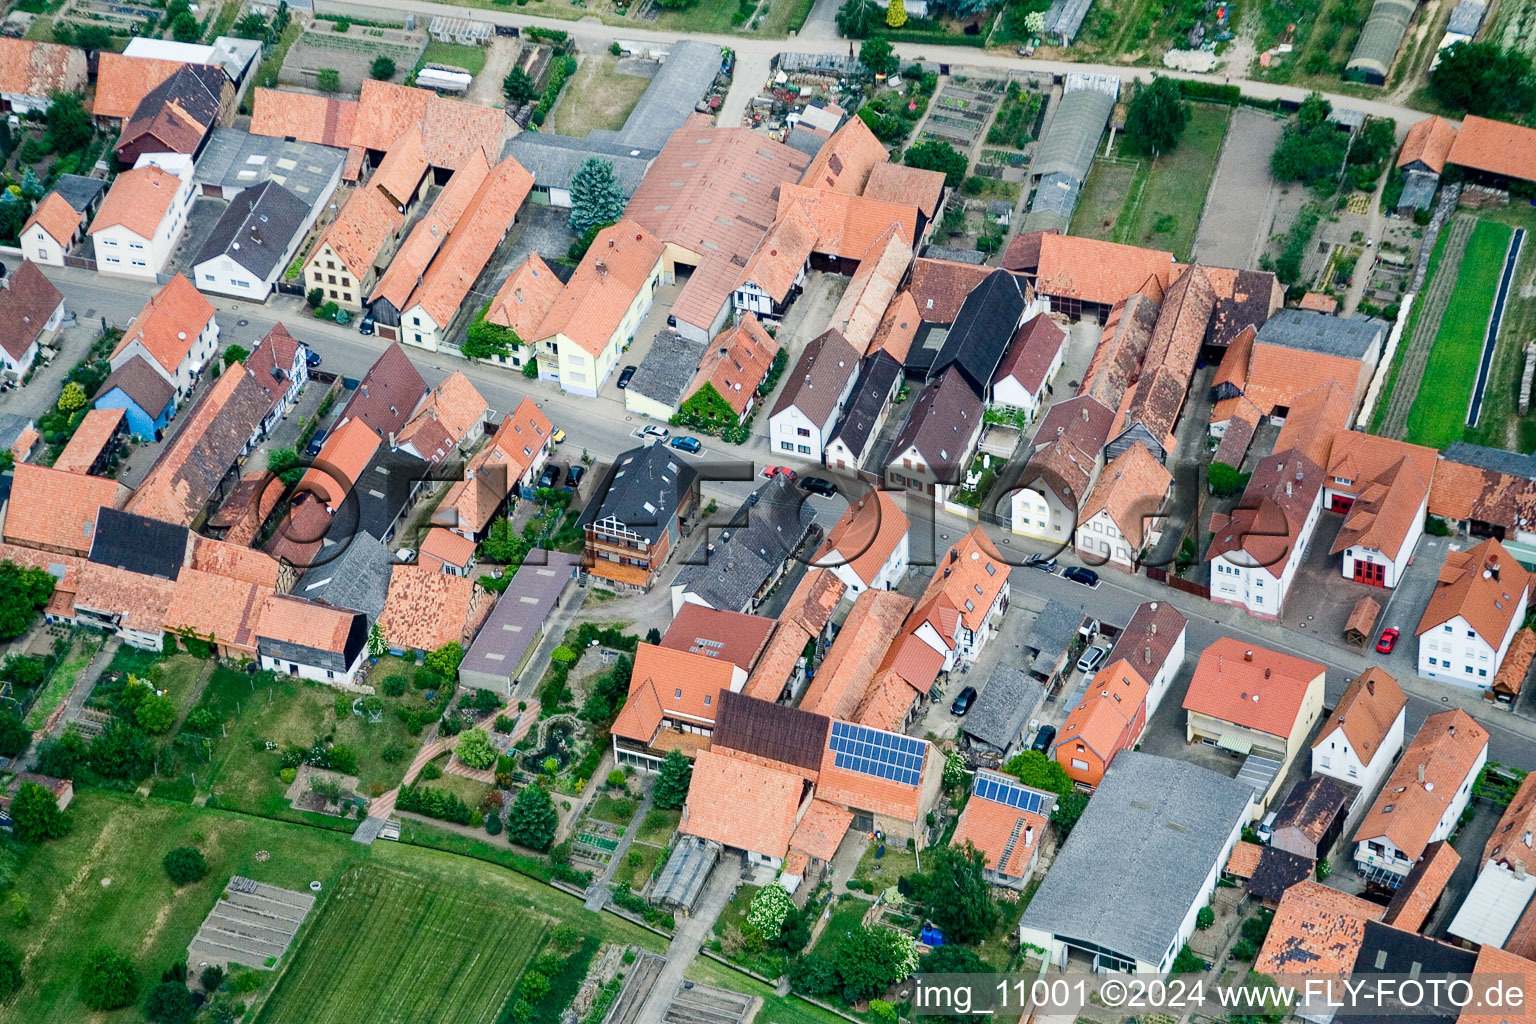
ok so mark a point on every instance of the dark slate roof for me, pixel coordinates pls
(387, 395)
(1004, 707)
(11, 427)
(554, 159)
(197, 90)
(1052, 632)
(79, 191)
(818, 376)
(805, 140)
(1278, 870)
(139, 381)
(1065, 17)
(770, 730)
(982, 330)
(667, 369)
(1388, 950)
(877, 377)
(1495, 459)
(941, 424)
(1165, 825)
(357, 578)
(139, 544)
(643, 490)
(1310, 331)
(257, 228)
(764, 532)
(516, 621)
(384, 488)
(1311, 807)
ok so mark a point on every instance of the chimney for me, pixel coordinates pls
(1421, 773)
(602, 268)
(1247, 655)
(1154, 626)
(1147, 656)
(1520, 869)
(1085, 414)
(1029, 840)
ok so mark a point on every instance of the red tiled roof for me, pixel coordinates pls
(1130, 489)
(849, 668)
(426, 239)
(304, 117)
(142, 601)
(54, 215)
(1428, 142)
(1315, 418)
(138, 200)
(1483, 585)
(847, 225)
(821, 829)
(1494, 147)
(716, 810)
(1265, 692)
(597, 296)
(897, 330)
(1095, 271)
(1244, 860)
(1420, 891)
(26, 305)
(905, 186)
(427, 609)
(29, 68)
(1514, 836)
(170, 323)
(1316, 931)
(455, 406)
(1023, 253)
(447, 547)
(1032, 353)
(1406, 810)
(1506, 970)
(969, 577)
(50, 508)
(729, 636)
(121, 82)
(404, 165)
(776, 262)
(1122, 347)
(88, 440)
(864, 536)
(496, 469)
(525, 298)
(305, 623)
(844, 162)
(452, 129)
(869, 293)
(365, 223)
(1111, 701)
(687, 685)
(736, 362)
(235, 561)
(992, 827)
(1366, 712)
(1266, 525)
(887, 797)
(939, 287)
(1391, 479)
(219, 608)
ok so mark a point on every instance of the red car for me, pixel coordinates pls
(1388, 640)
(772, 471)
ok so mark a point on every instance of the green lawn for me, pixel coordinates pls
(884, 871)
(617, 810)
(63, 679)
(776, 1009)
(1103, 198)
(597, 96)
(658, 825)
(1439, 412)
(638, 865)
(847, 914)
(1500, 424)
(470, 58)
(469, 790)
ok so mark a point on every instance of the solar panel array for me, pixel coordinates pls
(885, 755)
(1005, 791)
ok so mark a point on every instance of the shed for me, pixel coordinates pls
(1379, 39)
(1002, 711)
(1278, 870)
(1050, 637)
(682, 878)
(1362, 621)
(1312, 817)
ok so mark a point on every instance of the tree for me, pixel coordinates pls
(1035, 769)
(445, 660)
(236, 354)
(769, 908)
(672, 781)
(120, 752)
(956, 894)
(1310, 151)
(533, 819)
(1187, 962)
(211, 978)
(871, 960)
(938, 155)
(377, 645)
(10, 970)
(518, 87)
(1483, 78)
(185, 29)
(896, 14)
(314, 297)
(474, 748)
(35, 815)
(63, 758)
(1069, 807)
(184, 865)
(69, 126)
(108, 980)
(504, 545)
(169, 1003)
(72, 397)
(877, 57)
(813, 975)
(23, 593)
(156, 714)
(31, 187)
(382, 68)
(328, 80)
(252, 25)
(15, 737)
(596, 197)
(1225, 481)
(1157, 116)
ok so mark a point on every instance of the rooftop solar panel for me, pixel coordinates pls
(882, 755)
(1005, 791)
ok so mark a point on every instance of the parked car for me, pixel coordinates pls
(691, 445)
(626, 375)
(365, 325)
(315, 443)
(558, 436)
(769, 472)
(1045, 562)
(1388, 640)
(573, 475)
(1092, 658)
(654, 431)
(818, 485)
(312, 357)
(1077, 574)
(963, 701)
(550, 476)
(1266, 829)
(1043, 738)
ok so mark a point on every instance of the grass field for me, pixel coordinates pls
(1379, 412)
(597, 96)
(1103, 197)
(1440, 410)
(470, 58)
(1500, 424)
(658, 825)
(638, 865)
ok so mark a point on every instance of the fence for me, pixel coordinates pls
(1161, 575)
(79, 262)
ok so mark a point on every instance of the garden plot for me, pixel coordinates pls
(351, 53)
(959, 115)
(252, 924)
(120, 18)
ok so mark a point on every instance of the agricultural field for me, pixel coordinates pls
(1499, 425)
(1513, 26)
(597, 96)
(1439, 411)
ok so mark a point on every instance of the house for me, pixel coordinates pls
(1123, 344)
(236, 57)
(141, 391)
(1487, 492)
(1170, 852)
(867, 548)
(1005, 821)
(932, 451)
(55, 511)
(221, 610)
(963, 604)
(427, 609)
(357, 577)
(516, 626)
(1297, 351)
(388, 394)
(344, 261)
(1259, 546)
(844, 679)
(734, 364)
(177, 115)
(522, 302)
(1083, 277)
(1492, 152)
(672, 704)
(509, 464)
(1030, 362)
(982, 331)
(553, 160)
(122, 81)
(783, 668)
(280, 364)
(997, 722)
(1316, 933)
(175, 333)
(148, 547)
(632, 529)
(1382, 487)
(1398, 953)
(94, 444)
(579, 341)
(1416, 899)
(1110, 719)
(762, 829)
(32, 73)
(143, 216)
(401, 176)
(1277, 871)
(852, 441)
(747, 558)
(1063, 462)
(1257, 703)
(1423, 797)
(817, 388)
(716, 633)
(872, 287)
(447, 552)
(1421, 161)
(54, 228)
(847, 225)
(660, 381)
(1494, 905)
(1477, 606)
(311, 641)
(939, 287)
(253, 243)
(775, 272)
(450, 416)
(1361, 739)
(31, 311)
(1153, 643)
(1310, 820)
(888, 781)
(1122, 520)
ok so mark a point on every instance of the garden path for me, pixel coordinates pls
(597, 892)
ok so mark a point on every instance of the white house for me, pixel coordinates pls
(143, 216)
(964, 603)
(1256, 551)
(1060, 471)
(1423, 798)
(1032, 359)
(280, 364)
(311, 641)
(31, 310)
(817, 388)
(1121, 517)
(175, 333)
(1476, 608)
(51, 230)
(868, 547)
(1153, 644)
(253, 243)
(1382, 488)
(1360, 741)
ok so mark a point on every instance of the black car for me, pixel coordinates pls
(818, 485)
(625, 376)
(963, 701)
(1041, 562)
(365, 325)
(315, 443)
(1043, 739)
(573, 475)
(1077, 574)
(550, 476)
(312, 357)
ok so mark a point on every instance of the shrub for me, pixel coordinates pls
(169, 1003)
(184, 865)
(474, 749)
(382, 68)
(288, 775)
(431, 770)
(504, 724)
(493, 824)
(1204, 918)
(108, 980)
(435, 803)
(394, 686)
(394, 753)
(1243, 949)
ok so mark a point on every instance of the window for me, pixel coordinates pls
(787, 445)
(415, 321)
(803, 431)
(1434, 661)
(333, 293)
(330, 279)
(1447, 627)
(1482, 672)
(805, 449)
(1471, 634)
